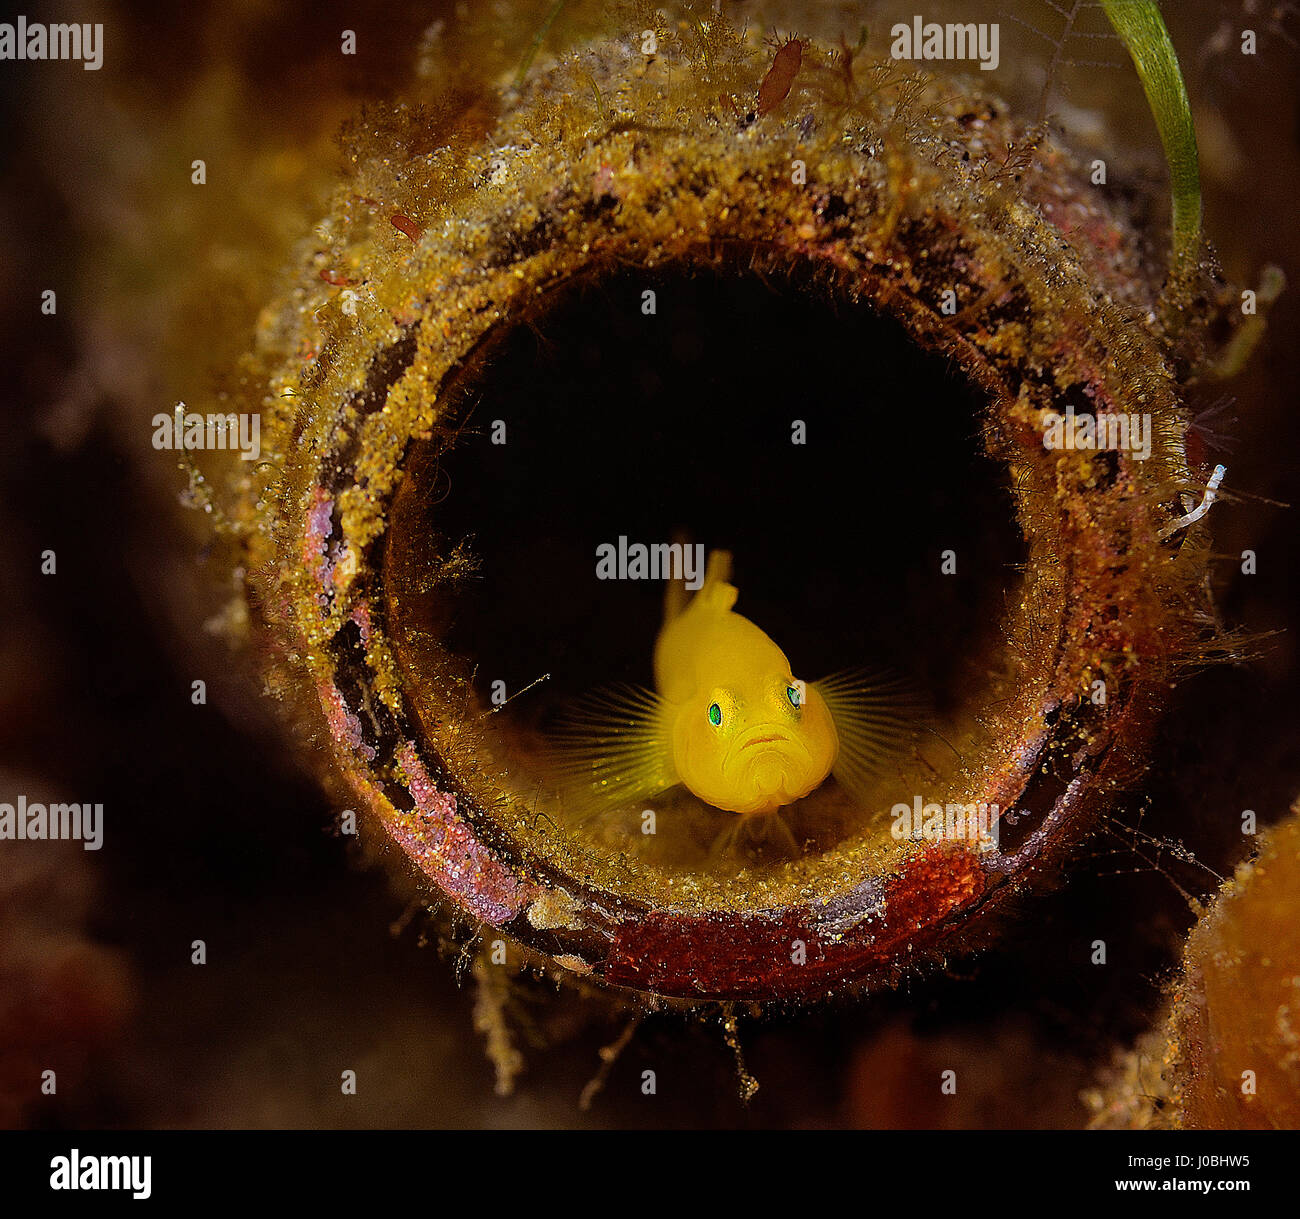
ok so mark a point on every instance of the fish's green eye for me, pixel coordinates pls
(795, 695)
(715, 714)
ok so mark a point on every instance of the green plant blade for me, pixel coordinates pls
(1142, 30)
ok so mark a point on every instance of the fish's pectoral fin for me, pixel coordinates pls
(877, 715)
(612, 748)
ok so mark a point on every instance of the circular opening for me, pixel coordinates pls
(839, 463)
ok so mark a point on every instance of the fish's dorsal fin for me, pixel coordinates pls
(718, 593)
(718, 568)
(716, 589)
(718, 597)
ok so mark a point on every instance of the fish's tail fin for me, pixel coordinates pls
(877, 715)
(676, 595)
(675, 599)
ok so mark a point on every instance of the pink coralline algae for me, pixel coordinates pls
(344, 725)
(319, 528)
(444, 846)
(361, 616)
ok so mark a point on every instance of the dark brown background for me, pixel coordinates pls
(213, 833)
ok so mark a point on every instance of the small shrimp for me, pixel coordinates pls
(780, 76)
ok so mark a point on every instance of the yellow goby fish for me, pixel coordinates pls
(728, 719)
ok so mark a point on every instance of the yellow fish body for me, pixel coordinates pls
(728, 719)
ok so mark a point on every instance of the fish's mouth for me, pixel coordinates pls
(767, 739)
(770, 765)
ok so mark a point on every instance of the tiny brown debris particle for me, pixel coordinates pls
(780, 76)
(406, 226)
